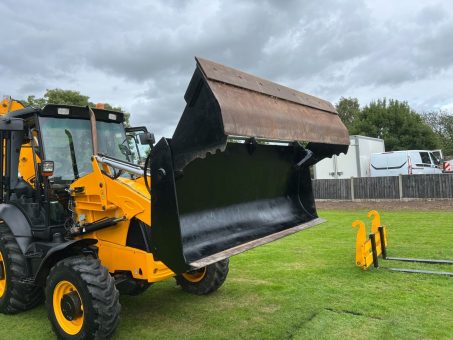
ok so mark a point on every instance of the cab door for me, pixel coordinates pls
(140, 143)
(426, 164)
(436, 165)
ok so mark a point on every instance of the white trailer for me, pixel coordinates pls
(356, 163)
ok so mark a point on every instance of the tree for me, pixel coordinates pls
(442, 124)
(348, 109)
(69, 97)
(33, 101)
(394, 121)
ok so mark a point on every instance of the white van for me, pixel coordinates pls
(408, 162)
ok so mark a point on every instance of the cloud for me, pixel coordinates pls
(139, 55)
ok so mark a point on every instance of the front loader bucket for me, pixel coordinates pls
(236, 174)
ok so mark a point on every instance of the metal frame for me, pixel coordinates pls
(10, 131)
(404, 259)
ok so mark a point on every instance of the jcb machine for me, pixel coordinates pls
(81, 221)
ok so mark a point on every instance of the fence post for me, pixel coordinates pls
(400, 185)
(440, 186)
(352, 188)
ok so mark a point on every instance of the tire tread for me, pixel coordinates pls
(216, 274)
(21, 297)
(102, 291)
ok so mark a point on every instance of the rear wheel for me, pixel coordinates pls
(133, 286)
(15, 296)
(81, 299)
(204, 280)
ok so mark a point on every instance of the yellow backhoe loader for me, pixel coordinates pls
(81, 221)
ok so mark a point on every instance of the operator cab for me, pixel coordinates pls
(57, 149)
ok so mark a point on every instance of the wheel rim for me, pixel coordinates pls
(2, 275)
(195, 275)
(70, 325)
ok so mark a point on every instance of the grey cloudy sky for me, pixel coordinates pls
(139, 54)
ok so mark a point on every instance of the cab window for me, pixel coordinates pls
(425, 158)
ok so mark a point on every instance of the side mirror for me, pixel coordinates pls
(47, 168)
(146, 138)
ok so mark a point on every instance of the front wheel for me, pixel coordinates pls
(204, 280)
(81, 299)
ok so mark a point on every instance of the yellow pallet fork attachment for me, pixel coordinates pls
(369, 249)
(235, 174)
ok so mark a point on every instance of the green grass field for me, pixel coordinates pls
(304, 286)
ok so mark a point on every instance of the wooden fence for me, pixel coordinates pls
(395, 187)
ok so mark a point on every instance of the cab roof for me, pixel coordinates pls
(69, 111)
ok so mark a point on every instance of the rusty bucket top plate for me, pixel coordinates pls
(255, 107)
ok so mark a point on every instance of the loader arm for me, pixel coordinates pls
(97, 197)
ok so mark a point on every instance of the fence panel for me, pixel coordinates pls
(428, 186)
(414, 186)
(336, 189)
(376, 187)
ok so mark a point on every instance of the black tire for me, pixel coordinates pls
(214, 276)
(17, 297)
(97, 292)
(132, 287)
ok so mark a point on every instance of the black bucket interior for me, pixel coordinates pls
(229, 199)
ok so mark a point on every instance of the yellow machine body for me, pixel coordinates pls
(8, 105)
(104, 197)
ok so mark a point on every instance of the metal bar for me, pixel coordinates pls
(408, 259)
(242, 139)
(420, 271)
(75, 169)
(381, 234)
(98, 225)
(7, 178)
(352, 189)
(373, 248)
(35, 146)
(10, 104)
(115, 163)
(2, 143)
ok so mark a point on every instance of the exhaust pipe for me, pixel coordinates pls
(94, 131)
